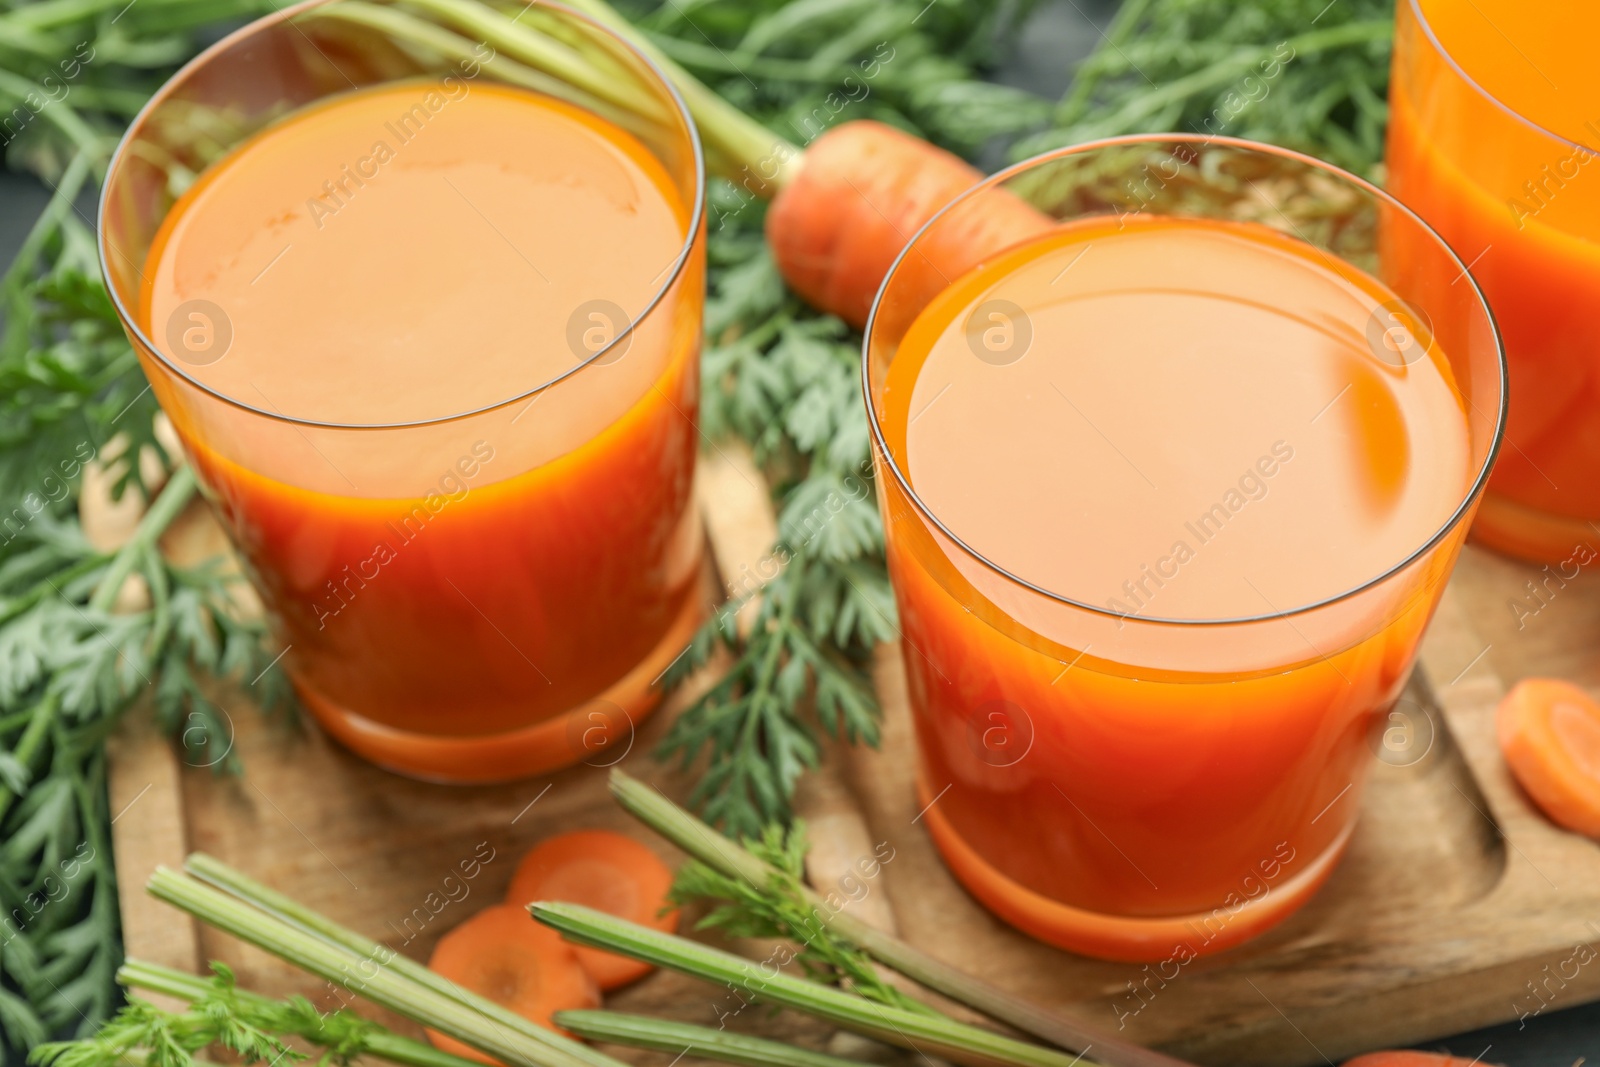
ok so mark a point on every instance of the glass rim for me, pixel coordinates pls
(1477, 87)
(1468, 499)
(131, 324)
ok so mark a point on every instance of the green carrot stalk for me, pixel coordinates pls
(31, 743)
(1076, 101)
(665, 1035)
(539, 50)
(378, 975)
(921, 1032)
(15, 89)
(737, 145)
(719, 853)
(179, 490)
(397, 24)
(744, 147)
(60, 206)
(384, 1044)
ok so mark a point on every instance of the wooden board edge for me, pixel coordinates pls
(148, 830)
(1389, 1016)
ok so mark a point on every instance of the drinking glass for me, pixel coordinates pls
(1517, 202)
(488, 594)
(1142, 788)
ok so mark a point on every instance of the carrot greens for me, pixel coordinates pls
(778, 908)
(1307, 74)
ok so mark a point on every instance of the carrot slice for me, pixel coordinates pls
(1550, 736)
(1408, 1058)
(605, 871)
(502, 954)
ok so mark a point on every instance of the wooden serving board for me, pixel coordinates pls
(1457, 905)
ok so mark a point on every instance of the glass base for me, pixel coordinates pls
(599, 731)
(1116, 937)
(1536, 536)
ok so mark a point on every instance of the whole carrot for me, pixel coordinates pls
(860, 193)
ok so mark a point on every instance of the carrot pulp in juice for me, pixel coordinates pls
(408, 253)
(1197, 428)
(1522, 208)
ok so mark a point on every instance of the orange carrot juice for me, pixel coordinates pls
(453, 591)
(1495, 125)
(1131, 472)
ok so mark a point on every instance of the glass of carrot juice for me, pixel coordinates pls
(421, 291)
(1171, 486)
(1493, 134)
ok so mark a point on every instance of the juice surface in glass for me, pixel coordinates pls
(381, 271)
(1494, 127)
(1181, 425)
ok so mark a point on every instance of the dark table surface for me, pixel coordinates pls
(1059, 34)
